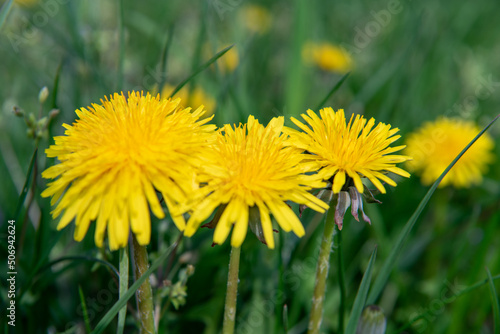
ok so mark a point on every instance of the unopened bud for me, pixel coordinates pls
(44, 93)
(42, 123)
(372, 321)
(30, 133)
(53, 113)
(189, 270)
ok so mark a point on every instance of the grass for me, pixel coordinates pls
(430, 60)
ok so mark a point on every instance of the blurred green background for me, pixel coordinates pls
(413, 61)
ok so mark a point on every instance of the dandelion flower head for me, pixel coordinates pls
(436, 144)
(355, 149)
(327, 57)
(251, 169)
(114, 156)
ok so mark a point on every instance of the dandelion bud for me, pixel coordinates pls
(53, 113)
(372, 321)
(44, 93)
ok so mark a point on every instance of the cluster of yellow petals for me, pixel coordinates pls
(355, 149)
(252, 166)
(436, 144)
(118, 154)
(114, 157)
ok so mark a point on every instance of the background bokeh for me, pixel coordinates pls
(411, 62)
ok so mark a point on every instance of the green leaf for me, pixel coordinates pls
(84, 308)
(332, 91)
(26, 187)
(201, 68)
(495, 303)
(121, 37)
(124, 264)
(396, 250)
(108, 317)
(423, 315)
(360, 301)
(4, 12)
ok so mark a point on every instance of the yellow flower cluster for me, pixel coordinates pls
(120, 155)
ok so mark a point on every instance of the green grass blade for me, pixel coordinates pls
(24, 192)
(121, 55)
(108, 317)
(342, 287)
(201, 68)
(456, 295)
(391, 260)
(360, 301)
(124, 264)
(495, 303)
(332, 91)
(164, 58)
(4, 12)
(84, 308)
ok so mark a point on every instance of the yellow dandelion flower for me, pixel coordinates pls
(114, 157)
(251, 169)
(349, 150)
(195, 98)
(256, 19)
(327, 56)
(435, 145)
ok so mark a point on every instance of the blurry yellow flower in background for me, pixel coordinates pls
(435, 145)
(114, 157)
(256, 19)
(327, 57)
(249, 174)
(196, 98)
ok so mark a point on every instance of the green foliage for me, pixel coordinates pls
(425, 60)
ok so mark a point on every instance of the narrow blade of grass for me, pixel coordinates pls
(84, 308)
(108, 317)
(201, 68)
(360, 301)
(332, 91)
(494, 302)
(26, 187)
(455, 295)
(164, 58)
(124, 264)
(121, 54)
(4, 12)
(396, 250)
(341, 282)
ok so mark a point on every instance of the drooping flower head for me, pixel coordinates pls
(435, 145)
(347, 151)
(250, 173)
(114, 157)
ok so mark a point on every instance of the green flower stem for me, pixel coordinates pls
(341, 272)
(316, 315)
(232, 291)
(143, 294)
